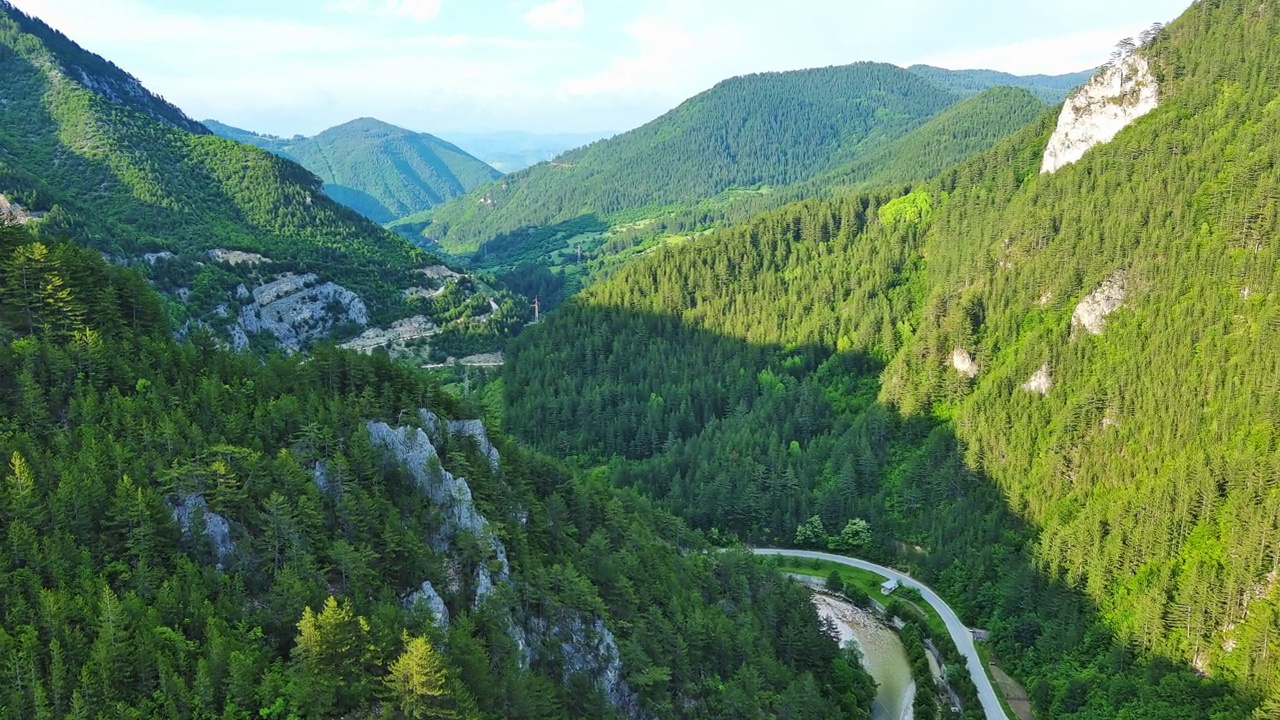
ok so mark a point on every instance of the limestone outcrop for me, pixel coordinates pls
(1115, 97)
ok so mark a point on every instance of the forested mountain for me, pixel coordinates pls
(1053, 394)
(766, 129)
(194, 533)
(236, 238)
(966, 128)
(1049, 88)
(379, 170)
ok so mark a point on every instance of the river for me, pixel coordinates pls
(883, 656)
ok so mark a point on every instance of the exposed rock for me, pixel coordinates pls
(427, 594)
(239, 340)
(1092, 312)
(1097, 112)
(13, 212)
(484, 360)
(475, 429)
(431, 423)
(283, 286)
(295, 313)
(450, 495)
(963, 363)
(320, 475)
(153, 258)
(394, 337)
(586, 649)
(236, 257)
(216, 527)
(421, 292)
(1040, 381)
(438, 271)
(124, 89)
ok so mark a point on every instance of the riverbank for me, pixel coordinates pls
(883, 655)
(958, 631)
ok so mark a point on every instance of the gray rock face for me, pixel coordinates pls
(1092, 312)
(1096, 113)
(475, 429)
(1040, 381)
(450, 495)
(584, 648)
(14, 212)
(431, 423)
(427, 594)
(216, 527)
(294, 310)
(394, 337)
(963, 362)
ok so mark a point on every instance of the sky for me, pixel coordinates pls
(290, 67)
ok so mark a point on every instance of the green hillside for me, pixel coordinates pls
(193, 533)
(379, 170)
(1105, 503)
(1052, 89)
(114, 179)
(959, 132)
(237, 239)
(768, 129)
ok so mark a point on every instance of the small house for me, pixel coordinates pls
(888, 586)
(980, 635)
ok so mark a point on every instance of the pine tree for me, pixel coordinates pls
(421, 682)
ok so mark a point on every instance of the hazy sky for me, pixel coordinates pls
(299, 66)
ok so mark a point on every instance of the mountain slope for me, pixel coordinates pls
(959, 132)
(771, 129)
(379, 170)
(1054, 394)
(237, 238)
(70, 61)
(1052, 89)
(194, 533)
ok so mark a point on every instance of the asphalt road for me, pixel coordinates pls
(959, 631)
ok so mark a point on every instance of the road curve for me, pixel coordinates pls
(959, 631)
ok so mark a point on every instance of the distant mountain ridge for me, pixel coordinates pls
(771, 129)
(381, 171)
(1049, 88)
(513, 150)
(758, 132)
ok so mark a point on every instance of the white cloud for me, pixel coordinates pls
(556, 15)
(1048, 56)
(419, 10)
(669, 59)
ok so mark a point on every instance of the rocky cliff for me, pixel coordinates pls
(1097, 112)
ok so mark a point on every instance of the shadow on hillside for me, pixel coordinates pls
(754, 439)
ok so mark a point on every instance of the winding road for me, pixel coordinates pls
(959, 631)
